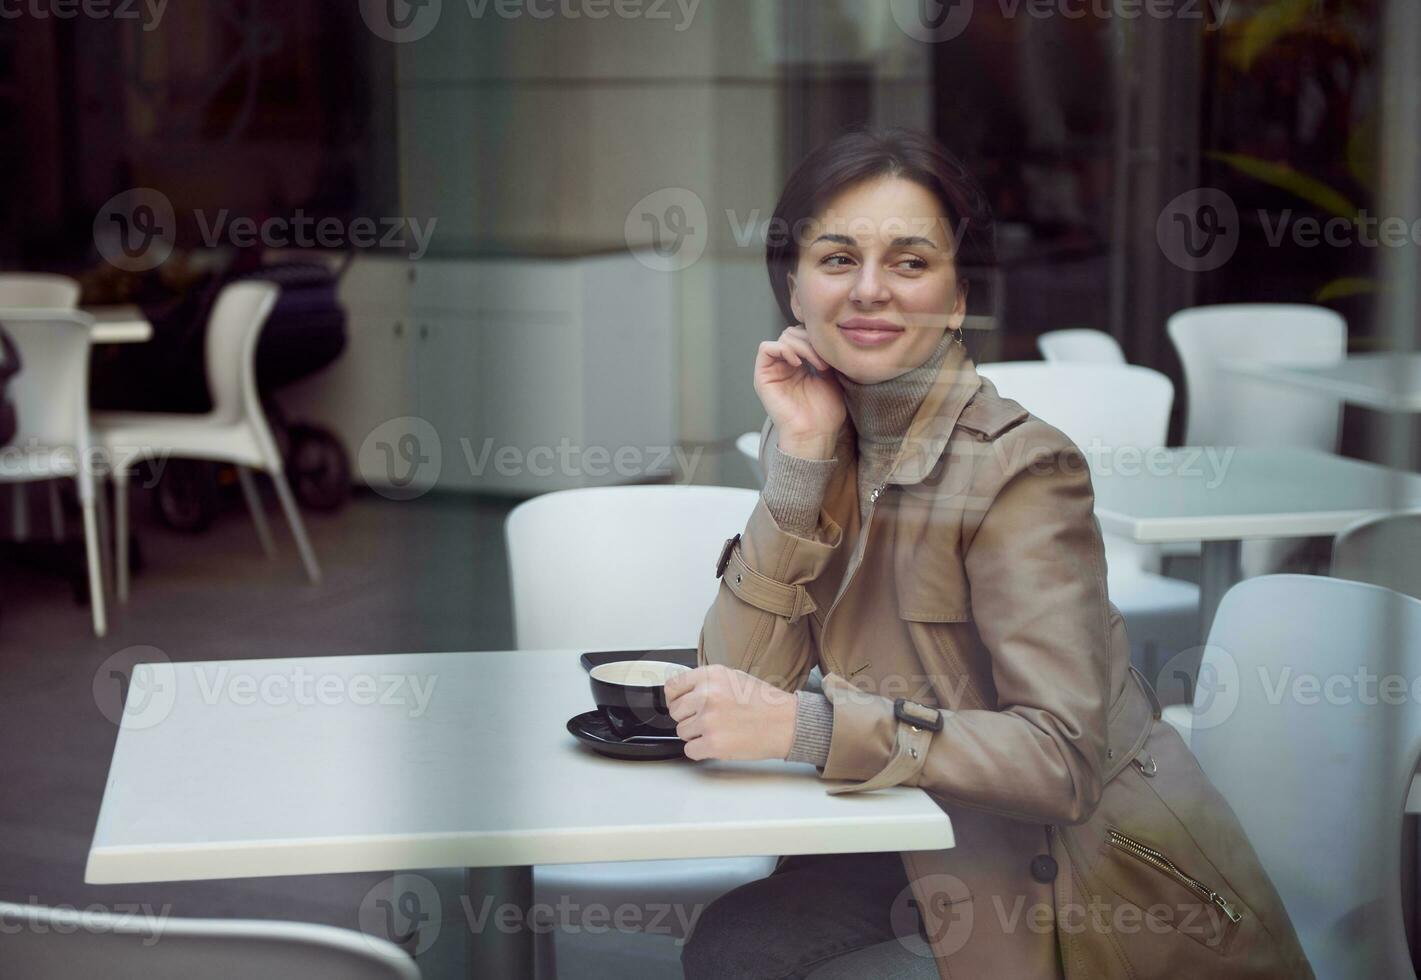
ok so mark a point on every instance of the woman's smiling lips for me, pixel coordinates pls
(865, 332)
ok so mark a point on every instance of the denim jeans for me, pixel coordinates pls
(812, 909)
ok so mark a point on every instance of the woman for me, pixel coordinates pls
(932, 547)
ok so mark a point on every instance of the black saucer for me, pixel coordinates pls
(592, 729)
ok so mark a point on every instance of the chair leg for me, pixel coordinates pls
(92, 553)
(20, 511)
(105, 528)
(254, 504)
(120, 534)
(56, 512)
(298, 530)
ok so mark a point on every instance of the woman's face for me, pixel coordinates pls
(876, 285)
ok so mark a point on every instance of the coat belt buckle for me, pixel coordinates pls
(724, 558)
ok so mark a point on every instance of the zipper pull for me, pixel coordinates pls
(1225, 907)
(873, 497)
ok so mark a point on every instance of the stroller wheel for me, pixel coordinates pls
(186, 495)
(318, 467)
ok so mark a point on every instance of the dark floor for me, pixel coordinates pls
(420, 575)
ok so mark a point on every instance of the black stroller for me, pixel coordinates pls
(304, 333)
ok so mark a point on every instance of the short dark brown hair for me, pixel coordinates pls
(861, 154)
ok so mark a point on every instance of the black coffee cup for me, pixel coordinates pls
(631, 695)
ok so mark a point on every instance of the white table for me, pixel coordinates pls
(210, 779)
(1221, 496)
(119, 325)
(1384, 381)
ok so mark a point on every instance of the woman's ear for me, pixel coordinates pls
(794, 298)
(959, 308)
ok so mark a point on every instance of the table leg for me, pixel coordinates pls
(500, 943)
(1219, 571)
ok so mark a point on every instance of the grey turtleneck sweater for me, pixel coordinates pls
(794, 494)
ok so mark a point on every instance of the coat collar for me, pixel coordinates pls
(952, 388)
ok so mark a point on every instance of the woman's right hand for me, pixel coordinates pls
(808, 410)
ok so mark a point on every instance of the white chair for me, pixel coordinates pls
(1080, 346)
(43, 943)
(1383, 550)
(1225, 409)
(749, 445)
(37, 291)
(51, 398)
(235, 431)
(1105, 408)
(631, 568)
(1318, 778)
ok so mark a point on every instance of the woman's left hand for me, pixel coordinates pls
(724, 713)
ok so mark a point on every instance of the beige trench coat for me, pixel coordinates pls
(1089, 844)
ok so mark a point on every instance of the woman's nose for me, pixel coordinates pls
(869, 288)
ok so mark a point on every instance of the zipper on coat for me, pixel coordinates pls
(1159, 862)
(854, 560)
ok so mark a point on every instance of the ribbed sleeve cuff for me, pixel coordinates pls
(794, 491)
(813, 729)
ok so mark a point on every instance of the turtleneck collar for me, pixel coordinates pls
(882, 411)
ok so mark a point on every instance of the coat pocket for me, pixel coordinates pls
(1208, 916)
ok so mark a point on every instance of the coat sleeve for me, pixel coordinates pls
(1036, 570)
(762, 619)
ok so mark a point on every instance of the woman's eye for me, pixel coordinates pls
(837, 261)
(914, 263)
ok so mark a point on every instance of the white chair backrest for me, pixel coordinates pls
(1383, 550)
(1231, 410)
(233, 329)
(1080, 346)
(749, 445)
(38, 290)
(51, 391)
(1100, 407)
(619, 566)
(62, 944)
(1308, 756)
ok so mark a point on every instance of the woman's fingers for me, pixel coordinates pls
(797, 339)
